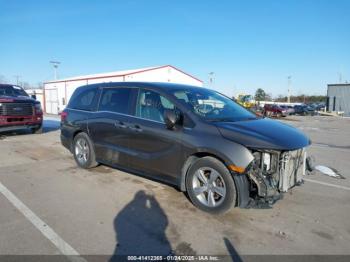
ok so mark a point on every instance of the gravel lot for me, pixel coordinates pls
(107, 211)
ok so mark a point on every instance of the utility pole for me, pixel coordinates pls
(55, 66)
(340, 77)
(211, 79)
(289, 85)
(17, 79)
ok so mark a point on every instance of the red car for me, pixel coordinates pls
(18, 110)
(274, 110)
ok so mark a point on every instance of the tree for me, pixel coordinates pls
(268, 97)
(302, 99)
(260, 95)
(25, 85)
(40, 85)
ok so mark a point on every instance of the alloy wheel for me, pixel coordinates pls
(82, 150)
(209, 186)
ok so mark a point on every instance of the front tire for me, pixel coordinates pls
(83, 151)
(37, 130)
(210, 186)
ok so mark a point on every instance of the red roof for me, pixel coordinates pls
(120, 73)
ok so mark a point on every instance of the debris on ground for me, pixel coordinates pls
(329, 172)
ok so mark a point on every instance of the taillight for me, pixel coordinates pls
(64, 115)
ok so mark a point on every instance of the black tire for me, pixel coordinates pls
(90, 161)
(37, 130)
(224, 203)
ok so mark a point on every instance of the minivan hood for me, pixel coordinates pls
(263, 133)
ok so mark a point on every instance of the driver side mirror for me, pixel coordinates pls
(171, 118)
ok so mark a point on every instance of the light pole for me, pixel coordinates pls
(55, 66)
(211, 79)
(289, 85)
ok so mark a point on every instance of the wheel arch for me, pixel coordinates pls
(75, 133)
(191, 159)
(240, 180)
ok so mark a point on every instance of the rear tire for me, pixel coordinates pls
(83, 151)
(210, 186)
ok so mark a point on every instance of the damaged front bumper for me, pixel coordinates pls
(272, 173)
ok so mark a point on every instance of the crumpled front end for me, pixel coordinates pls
(273, 172)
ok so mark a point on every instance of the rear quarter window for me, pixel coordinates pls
(84, 99)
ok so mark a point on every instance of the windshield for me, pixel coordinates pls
(212, 106)
(8, 90)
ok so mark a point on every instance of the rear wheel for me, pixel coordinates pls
(84, 153)
(210, 186)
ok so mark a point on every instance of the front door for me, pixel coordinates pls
(154, 149)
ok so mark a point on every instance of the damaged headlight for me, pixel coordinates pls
(267, 161)
(264, 172)
(273, 172)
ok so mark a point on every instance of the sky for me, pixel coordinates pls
(247, 44)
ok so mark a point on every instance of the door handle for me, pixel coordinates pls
(136, 128)
(119, 124)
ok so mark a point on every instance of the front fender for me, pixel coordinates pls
(230, 153)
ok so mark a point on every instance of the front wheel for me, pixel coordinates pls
(37, 130)
(210, 186)
(84, 153)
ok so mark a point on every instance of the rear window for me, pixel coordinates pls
(115, 100)
(83, 100)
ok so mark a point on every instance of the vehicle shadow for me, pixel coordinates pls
(48, 126)
(140, 228)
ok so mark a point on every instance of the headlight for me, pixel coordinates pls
(267, 162)
(38, 108)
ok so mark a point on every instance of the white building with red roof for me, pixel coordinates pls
(58, 92)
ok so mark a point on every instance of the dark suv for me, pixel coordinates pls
(18, 110)
(197, 139)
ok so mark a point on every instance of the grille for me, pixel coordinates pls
(16, 109)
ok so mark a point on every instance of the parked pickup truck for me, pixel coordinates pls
(18, 110)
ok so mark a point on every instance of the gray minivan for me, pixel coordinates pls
(195, 138)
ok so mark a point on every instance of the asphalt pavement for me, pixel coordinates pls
(50, 206)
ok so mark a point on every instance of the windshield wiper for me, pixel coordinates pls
(231, 119)
(221, 120)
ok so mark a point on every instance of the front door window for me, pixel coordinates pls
(151, 105)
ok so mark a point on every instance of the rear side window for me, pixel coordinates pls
(84, 100)
(115, 100)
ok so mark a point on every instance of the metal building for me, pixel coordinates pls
(338, 98)
(57, 93)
